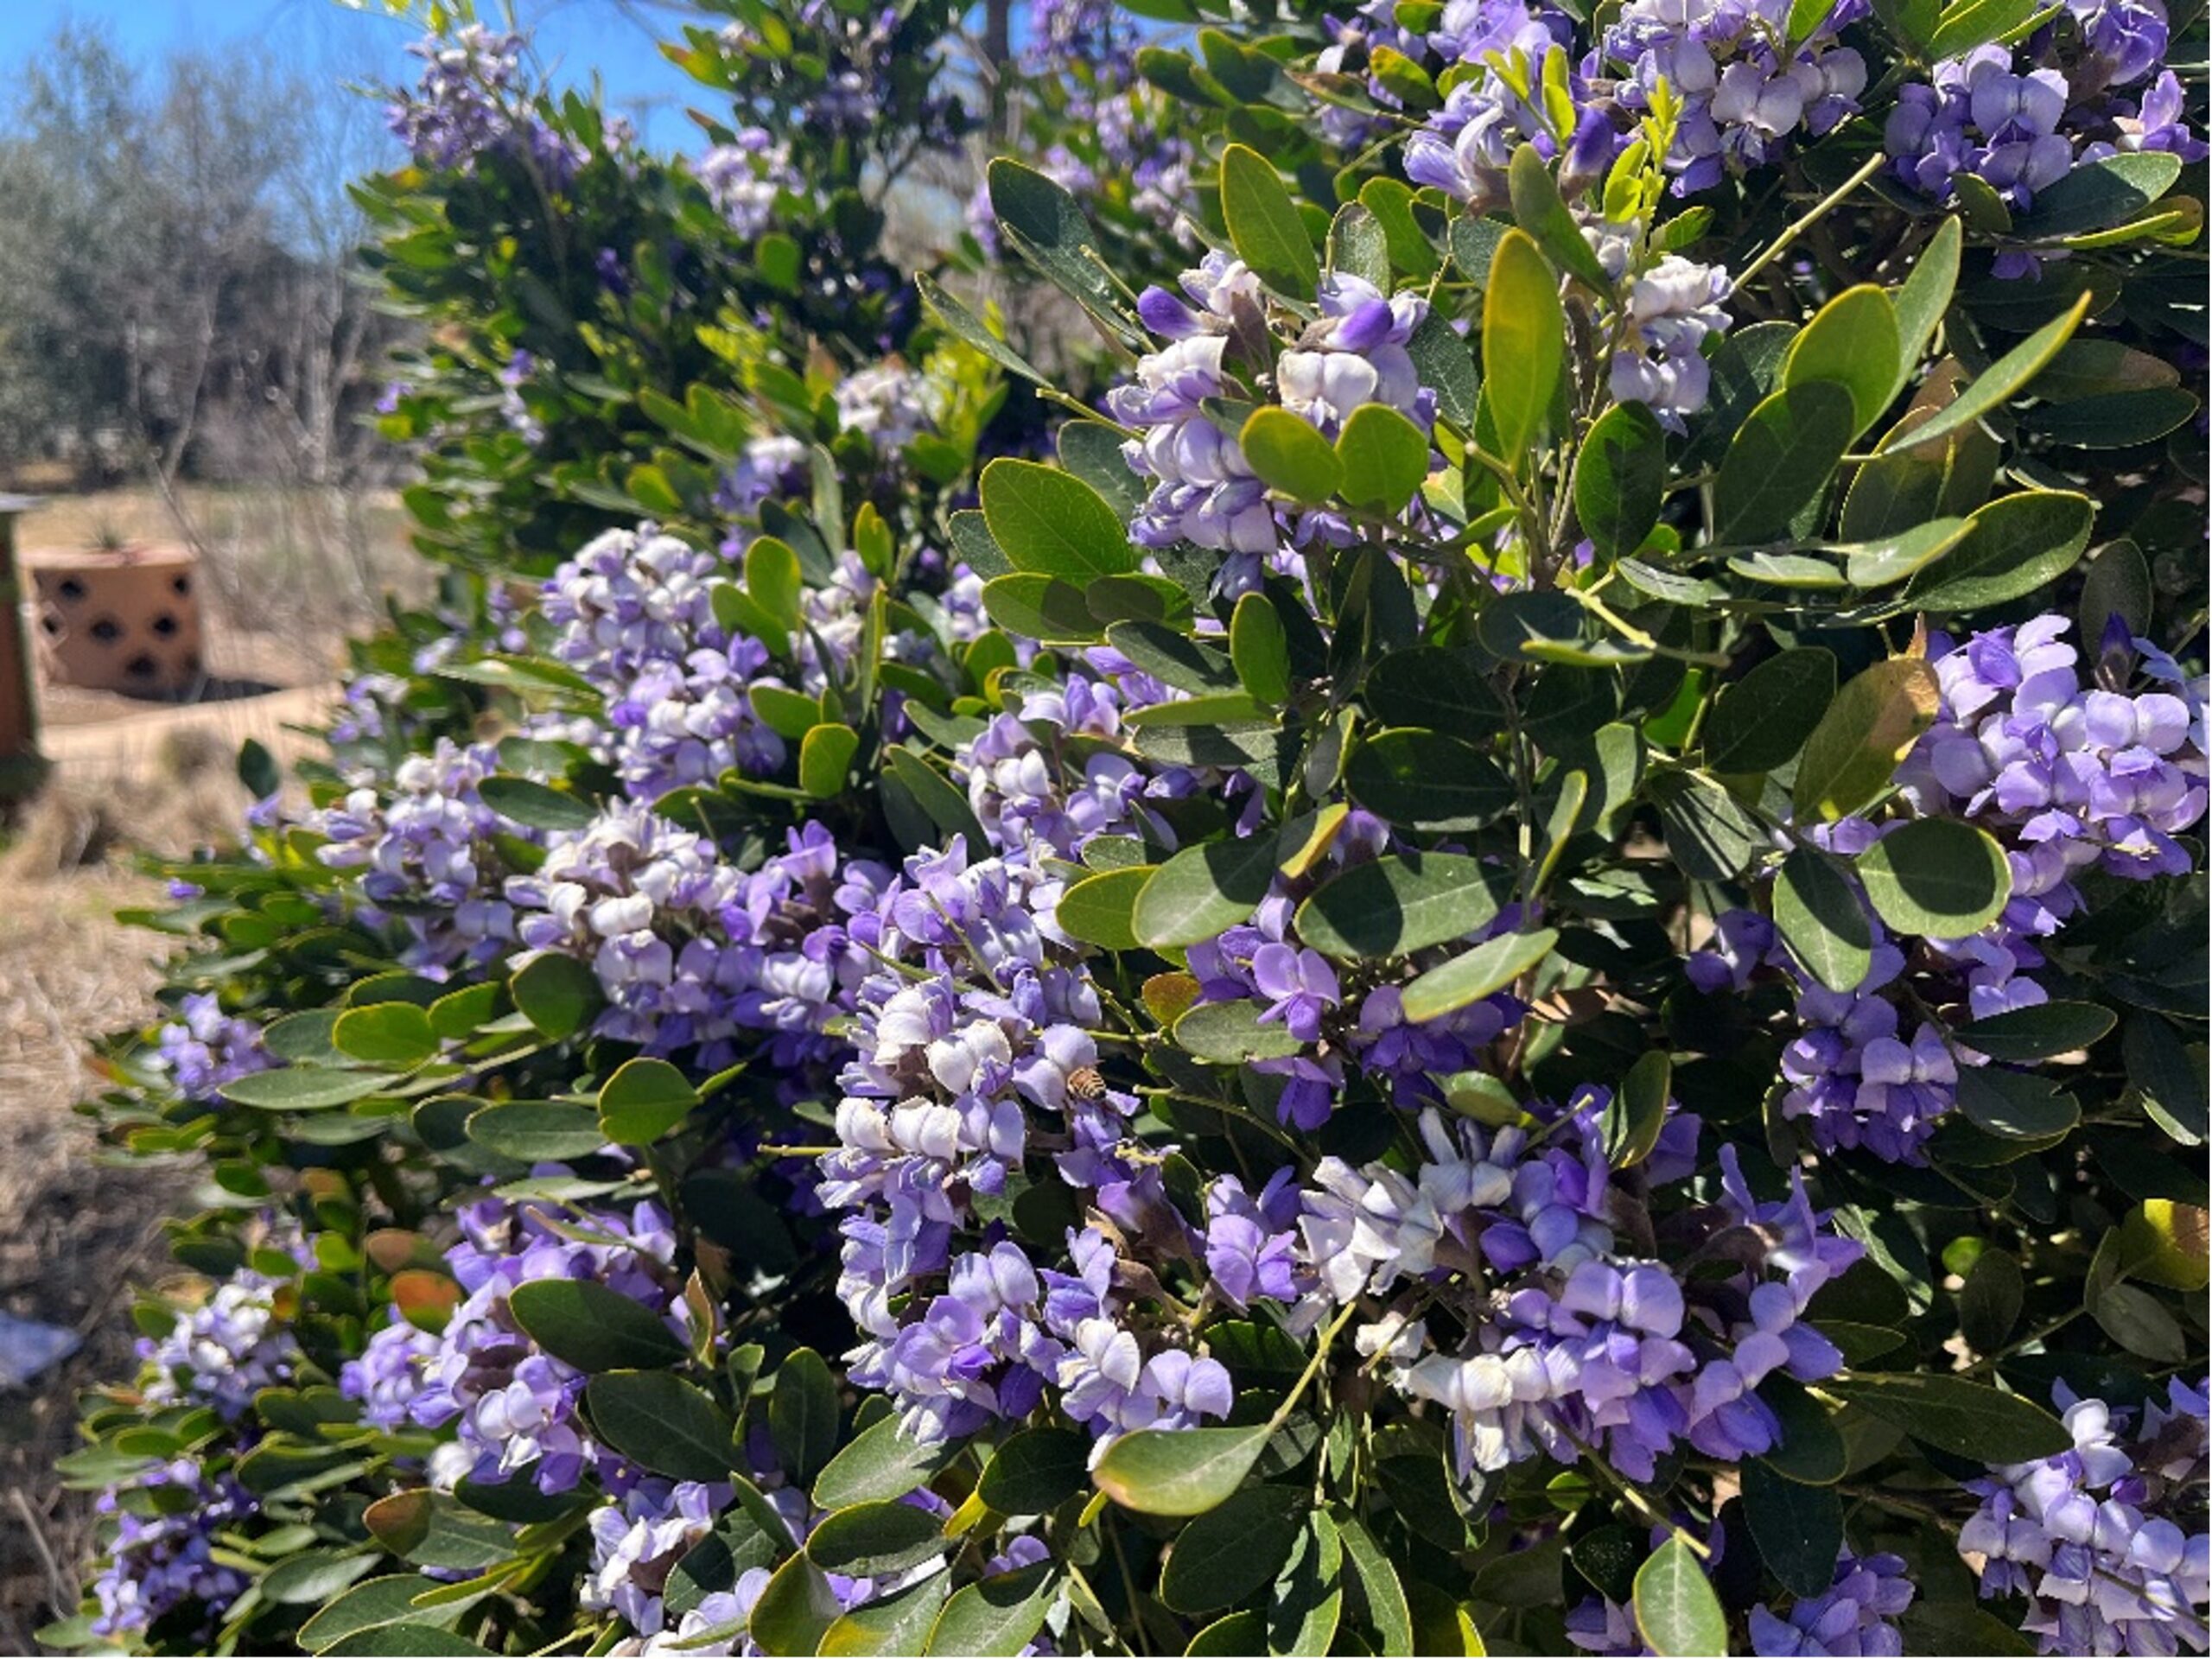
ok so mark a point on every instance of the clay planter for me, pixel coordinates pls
(124, 619)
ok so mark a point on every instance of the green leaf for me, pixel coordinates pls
(313, 1576)
(386, 1033)
(1872, 724)
(1043, 608)
(1762, 721)
(1799, 1528)
(825, 753)
(2119, 419)
(896, 1624)
(1921, 303)
(1232, 1550)
(1959, 1627)
(1050, 522)
(1637, 1114)
(1403, 902)
(945, 806)
(305, 1089)
(1620, 477)
(1893, 557)
(2013, 546)
(1427, 780)
(1818, 914)
(1476, 974)
(1309, 1596)
(1967, 24)
(1524, 344)
(1384, 457)
(1967, 1419)
(663, 1423)
(2016, 1105)
(1852, 342)
(2167, 1078)
(1231, 1034)
(876, 1539)
(1289, 456)
(593, 1328)
(538, 1131)
(998, 1617)
(1179, 1471)
(1260, 649)
(1204, 889)
(1429, 686)
(2118, 584)
(880, 1462)
(1045, 225)
(1166, 655)
(1710, 834)
(2041, 1033)
(1357, 246)
(795, 1610)
(2109, 192)
(1391, 202)
(558, 995)
(1265, 227)
(1675, 1608)
(803, 1415)
(964, 325)
(407, 1640)
(1035, 1472)
(1377, 1591)
(2001, 381)
(1780, 458)
(536, 806)
(1539, 210)
(370, 1604)
(1937, 877)
(1811, 1447)
(1101, 909)
(643, 1101)
(1990, 1300)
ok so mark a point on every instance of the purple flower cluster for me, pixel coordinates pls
(470, 102)
(2068, 773)
(2020, 118)
(1569, 1342)
(161, 1556)
(690, 950)
(2106, 1541)
(512, 1406)
(427, 855)
(745, 178)
(637, 1541)
(1671, 311)
(1743, 95)
(205, 1048)
(1354, 354)
(223, 1352)
(988, 1040)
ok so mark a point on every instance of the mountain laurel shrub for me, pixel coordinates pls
(1486, 936)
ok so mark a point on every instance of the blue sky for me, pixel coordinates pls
(319, 37)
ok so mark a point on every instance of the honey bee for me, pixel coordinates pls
(1085, 1083)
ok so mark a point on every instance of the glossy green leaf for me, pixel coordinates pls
(1524, 344)
(1675, 1608)
(1819, 914)
(1232, 1550)
(1307, 1601)
(2015, 545)
(803, 1415)
(1265, 227)
(557, 995)
(825, 755)
(1231, 1033)
(898, 1623)
(1050, 522)
(386, 1033)
(1179, 1471)
(795, 1610)
(1403, 902)
(2002, 380)
(1101, 909)
(1427, 780)
(593, 1328)
(1968, 1420)
(1798, 1528)
(1925, 296)
(1377, 1591)
(643, 1101)
(2016, 1105)
(1259, 648)
(1781, 458)
(1475, 973)
(304, 1088)
(1539, 210)
(2024, 1036)
(1384, 458)
(2102, 192)
(1035, 1472)
(1620, 476)
(662, 1423)
(875, 1539)
(1204, 889)
(1891, 559)
(1289, 456)
(1761, 721)
(1937, 877)
(1871, 725)
(998, 1616)
(538, 1131)
(1852, 341)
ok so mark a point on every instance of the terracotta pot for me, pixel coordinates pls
(122, 619)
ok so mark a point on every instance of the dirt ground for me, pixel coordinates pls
(78, 1234)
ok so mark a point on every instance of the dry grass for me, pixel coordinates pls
(77, 1234)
